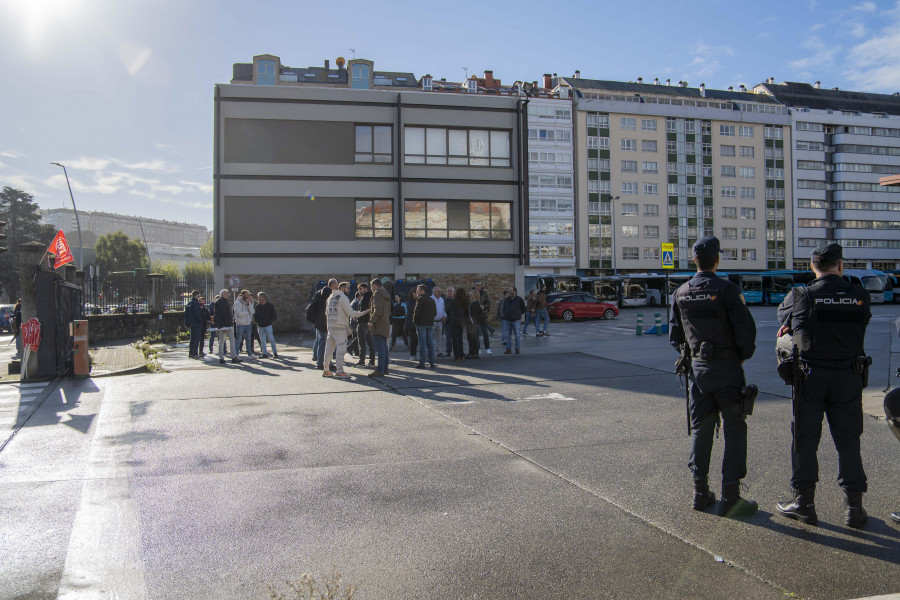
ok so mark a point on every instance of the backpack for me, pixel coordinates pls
(312, 308)
(187, 315)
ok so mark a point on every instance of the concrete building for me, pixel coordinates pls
(358, 180)
(551, 210)
(168, 241)
(843, 142)
(669, 163)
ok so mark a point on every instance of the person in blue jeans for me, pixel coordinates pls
(265, 315)
(529, 313)
(511, 310)
(424, 314)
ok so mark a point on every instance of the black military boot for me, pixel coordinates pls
(801, 508)
(856, 515)
(732, 505)
(703, 497)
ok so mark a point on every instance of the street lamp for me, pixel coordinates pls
(77, 223)
(612, 225)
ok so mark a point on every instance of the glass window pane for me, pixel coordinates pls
(436, 160)
(363, 138)
(437, 233)
(363, 232)
(479, 216)
(363, 158)
(500, 220)
(478, 147)
(415, 215)
(437, 142)
(415, 233)
(414, 140)
(459, 233)
(364, 213)
(458, 216)
(437, 215)
(499, 162)
(458, 160)
(384, 215)
(458, 143)
(500, 144)
(383, 142)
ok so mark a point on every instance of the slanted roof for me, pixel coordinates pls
(319, 75)
(399, 79)
(805, 95)
(640, 89)
(242, 72)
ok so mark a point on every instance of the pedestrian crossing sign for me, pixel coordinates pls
(668, 256)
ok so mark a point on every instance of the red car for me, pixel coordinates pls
(581, 306)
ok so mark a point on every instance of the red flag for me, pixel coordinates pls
(59, 247)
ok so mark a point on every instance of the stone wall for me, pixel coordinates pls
(132, 326)
(290, 293)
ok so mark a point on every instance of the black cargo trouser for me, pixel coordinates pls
(715, 391)
(837, 395)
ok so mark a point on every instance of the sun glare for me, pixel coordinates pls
(36, 15)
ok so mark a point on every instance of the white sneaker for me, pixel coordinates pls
(488, 351)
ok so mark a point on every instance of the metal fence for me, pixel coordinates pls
(130, 293)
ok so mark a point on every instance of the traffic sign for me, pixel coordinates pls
(668, 256)
(234, 282)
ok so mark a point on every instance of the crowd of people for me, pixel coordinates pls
(431, 325)
(236, 326)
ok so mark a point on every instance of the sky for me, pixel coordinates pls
(121, 91)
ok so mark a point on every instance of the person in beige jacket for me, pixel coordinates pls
(338, 314)
(380, 325)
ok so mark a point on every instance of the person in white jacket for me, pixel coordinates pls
(243, 320)
(338, 314)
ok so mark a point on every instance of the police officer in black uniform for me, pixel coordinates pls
(710, 316)
(828, 320)
(892, 412)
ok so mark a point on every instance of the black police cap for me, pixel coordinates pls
(829, 252)
(707, 247)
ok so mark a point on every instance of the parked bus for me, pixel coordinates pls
(868, 279)
(643, 289)
(891, 291)
(605, 289)
(751, 286)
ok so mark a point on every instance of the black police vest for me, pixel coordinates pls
(832, 323)
(703, 315)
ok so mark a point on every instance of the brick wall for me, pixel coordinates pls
(290, 293)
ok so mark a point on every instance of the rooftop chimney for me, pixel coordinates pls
(743, 88)
(818, 85)
(548, 81)
(770, 80)
(730, 88)
(668, 82)
(577, 74)
(656, 81)
(703, 90)
(326, 64)
(835, 89)
(640, 80)
(684, 84)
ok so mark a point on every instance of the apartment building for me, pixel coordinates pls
(313, 181)
(551, 209)
(669, 163)
(843, 142)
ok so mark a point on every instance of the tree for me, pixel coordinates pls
(206, 250)
(198, 270)
(118, 252)
(21, 213)
(169, 269)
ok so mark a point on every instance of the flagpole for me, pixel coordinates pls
(77, 222)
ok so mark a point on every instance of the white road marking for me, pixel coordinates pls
(103, 559)
(556, 396)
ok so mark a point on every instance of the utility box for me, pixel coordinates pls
(81, 356)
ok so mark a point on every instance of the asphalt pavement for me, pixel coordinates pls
(558, 473)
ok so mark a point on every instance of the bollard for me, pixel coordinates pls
(658, 324)
(79, 332)
(640, 324)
